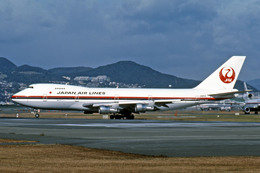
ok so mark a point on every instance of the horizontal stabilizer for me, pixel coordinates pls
(228, 94)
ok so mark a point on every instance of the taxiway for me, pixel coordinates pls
(149, 137)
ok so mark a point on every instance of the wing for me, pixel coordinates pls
(151, 105)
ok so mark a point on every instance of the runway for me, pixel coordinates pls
(149, 137)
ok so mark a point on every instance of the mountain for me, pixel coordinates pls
(29, 74)
(6, 66)
(27, 68)
(240, 86)
(124, 72)
(70, 71)
(255, 83)
(132, 73)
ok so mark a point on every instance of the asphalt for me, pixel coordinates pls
(149, 137)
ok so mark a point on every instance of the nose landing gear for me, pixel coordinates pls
(36, 113)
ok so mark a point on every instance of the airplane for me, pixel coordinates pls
(250, 104)
(124, 102)
(216, 106)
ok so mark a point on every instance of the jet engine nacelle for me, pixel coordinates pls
(142, 108)
(247, 110)
(107, 110)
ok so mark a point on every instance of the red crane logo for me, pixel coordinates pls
(227, 74)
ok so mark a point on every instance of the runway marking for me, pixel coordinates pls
(122, 123)
(175, 124)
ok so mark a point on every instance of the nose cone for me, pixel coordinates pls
(18, 97)
(14, 98)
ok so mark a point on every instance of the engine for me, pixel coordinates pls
(247, 110)
(142, 108)
(107, 110)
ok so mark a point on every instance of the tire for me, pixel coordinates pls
(118, 117)
(37, 115)
(130, 117)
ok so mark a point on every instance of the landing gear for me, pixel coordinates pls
(122, 116)
(247, 110)
(114, 116)
(36, 113)
(130, 117)
(118, 117)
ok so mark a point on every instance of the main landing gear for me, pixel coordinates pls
(122, 116)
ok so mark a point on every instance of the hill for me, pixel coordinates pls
(70, 71)
(255, 83)
(132, 73)
(123, 72)
(6, 66)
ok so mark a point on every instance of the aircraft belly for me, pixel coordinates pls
(54, 104)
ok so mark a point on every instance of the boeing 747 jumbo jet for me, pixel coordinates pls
(123, 102)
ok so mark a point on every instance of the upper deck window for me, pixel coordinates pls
(60, 88)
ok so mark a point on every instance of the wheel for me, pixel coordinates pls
(118, 117)
(37, 115)
(130, 117)
(112, 116)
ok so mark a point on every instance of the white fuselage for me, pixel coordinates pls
(68, 97)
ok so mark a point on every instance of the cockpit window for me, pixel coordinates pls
(31, 86)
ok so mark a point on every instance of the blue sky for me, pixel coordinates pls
(185, 38)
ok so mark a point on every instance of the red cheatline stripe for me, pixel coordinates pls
(113, 97)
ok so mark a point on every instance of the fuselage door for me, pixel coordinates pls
(44, 97)
(76, 98)
(116, 98)
(150, 101)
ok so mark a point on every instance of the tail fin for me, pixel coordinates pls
(247, 95)
(225, 76)
(245, 86)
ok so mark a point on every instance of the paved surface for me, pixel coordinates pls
(168, 138)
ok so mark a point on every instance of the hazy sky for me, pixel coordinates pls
(185, 38)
